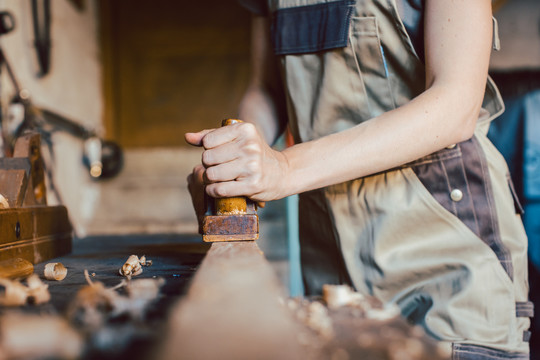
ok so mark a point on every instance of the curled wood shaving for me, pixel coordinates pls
(95, 304)
(17, 294)
(55, 271)
(144, 262)
(133, 266)
(14, 293)
(37, 291)
(4, 204)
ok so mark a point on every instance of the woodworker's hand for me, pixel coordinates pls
(239, 162)
(195, 182)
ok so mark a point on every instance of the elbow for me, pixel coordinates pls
(462, 107)
(467, 125)
(465, 131)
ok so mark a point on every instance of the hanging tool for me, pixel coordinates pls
(103, 158)
(230, 219)
(29, 228)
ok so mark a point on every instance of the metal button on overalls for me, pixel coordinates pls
(456, 195)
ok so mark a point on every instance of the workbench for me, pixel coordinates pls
(174, 258)
(223, 301)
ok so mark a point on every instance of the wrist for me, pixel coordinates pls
(288, 185)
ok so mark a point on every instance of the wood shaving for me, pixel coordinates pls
(314, 315)
(133, 266)
(4, 204)
(38, 292)
(55, 271)
(95, 304)
(144, 262)
(14, 294)
(17, 294)
(26, 336)
(336, 296)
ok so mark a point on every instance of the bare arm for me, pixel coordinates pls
(458, 45)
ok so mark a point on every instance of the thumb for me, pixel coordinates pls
(196, 138)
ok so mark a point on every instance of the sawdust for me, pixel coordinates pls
(344, 324)
(99, 319)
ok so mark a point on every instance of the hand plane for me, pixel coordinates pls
(230, 219)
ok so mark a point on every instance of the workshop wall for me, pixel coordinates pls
(519, 30)
(72, 88)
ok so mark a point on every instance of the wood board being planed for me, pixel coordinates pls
(233, 310)
(236, 309)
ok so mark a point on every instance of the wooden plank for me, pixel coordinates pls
(233, 310)
(34, 233)
(236, 309)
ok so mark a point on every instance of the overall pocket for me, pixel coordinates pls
(458, 179)
(311, 28)
(371, 65)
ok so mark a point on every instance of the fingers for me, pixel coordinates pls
(234, 161)
(225, 172)
(197, 176)
(228, 134)
(225, 189)
(196, 190)
(196, 138)
(223, 154)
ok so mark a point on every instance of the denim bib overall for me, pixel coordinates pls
(442, 236)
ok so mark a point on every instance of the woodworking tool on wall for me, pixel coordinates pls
(29, 228)
(103, 158)
(230, 219)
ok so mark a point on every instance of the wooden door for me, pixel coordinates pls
(171, 66)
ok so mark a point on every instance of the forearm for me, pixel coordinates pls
(429, 123)
(457, 40)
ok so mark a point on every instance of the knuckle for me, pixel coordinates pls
(252, 147)
(206, 157)
(211, 174)
(249, 128)
(207, 141)
(253, 167)
(220, 191)
(254, 186)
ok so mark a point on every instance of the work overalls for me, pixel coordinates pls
(440, 237)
